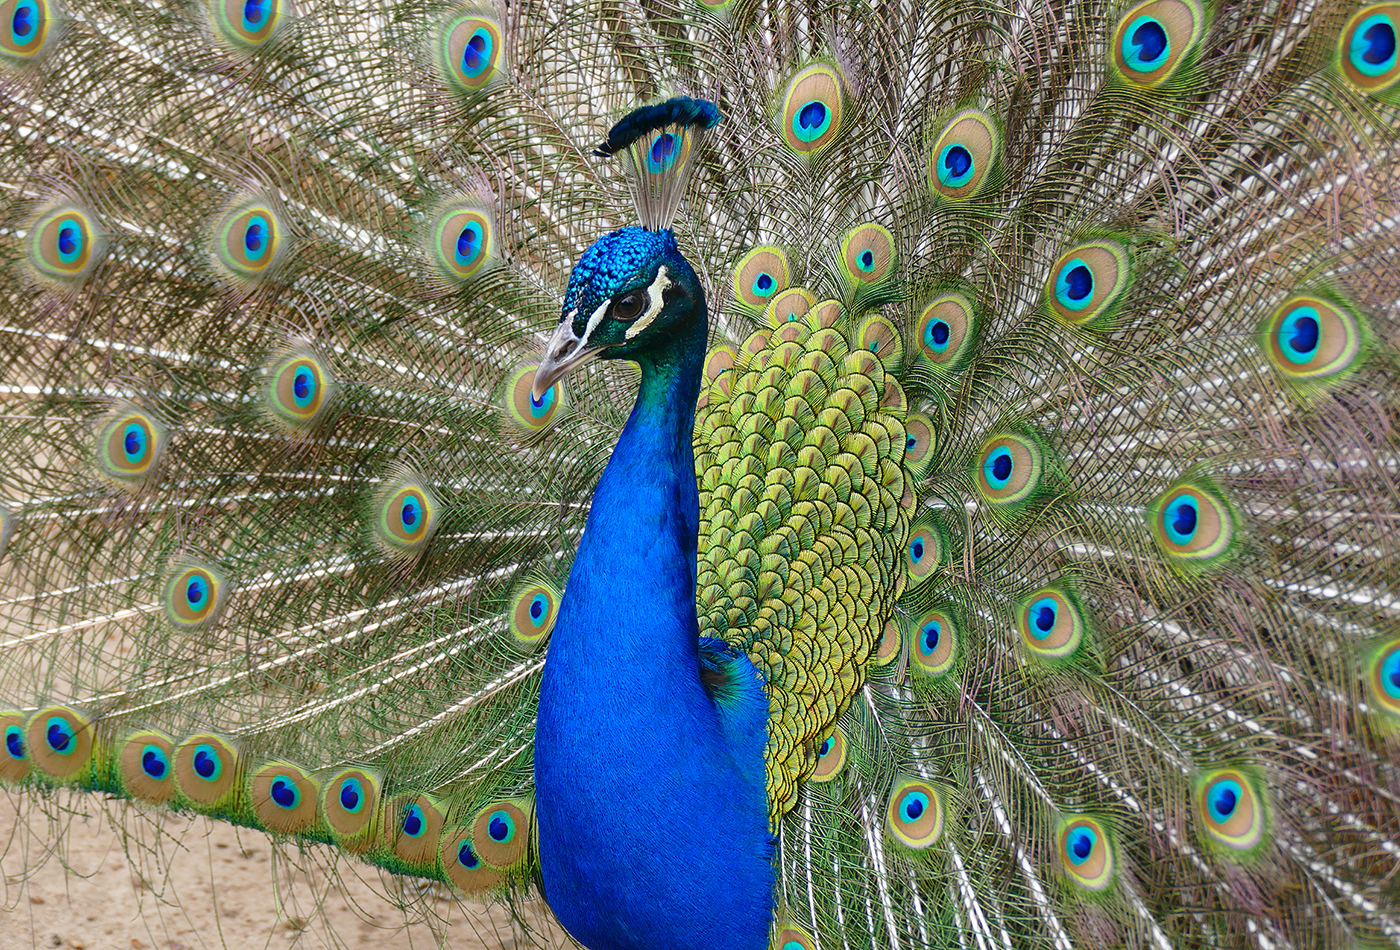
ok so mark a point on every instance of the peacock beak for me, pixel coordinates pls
(564, 352)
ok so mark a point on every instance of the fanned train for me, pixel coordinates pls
(983, 418)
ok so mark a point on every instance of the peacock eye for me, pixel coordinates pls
(630, 305)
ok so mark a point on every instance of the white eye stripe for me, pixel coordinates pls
(657, 292)
(593, 320)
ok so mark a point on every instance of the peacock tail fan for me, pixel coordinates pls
(1046, 445)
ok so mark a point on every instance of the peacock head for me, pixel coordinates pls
(631, 296)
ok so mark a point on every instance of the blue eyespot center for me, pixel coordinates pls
(812, 116)
(195, 592)
(1181, 518)
(916, 549)
(500, 827)
(413, 822)
(1299, 335)
(1146, 45)
(826, 746)
(411, 513)
(937, 334)
(467, 858)
(866, 260)
(254, 14)
(474, 54)
(1042, 615)
(66, 239)
(955, 166)
(998, 467)
(14, 742)
(24, 23)
(1223, 798)
(59, 735)
(764, 284)
(663, 148)
(929, 636)
(134, 442)
(351, 795)
(1080, 844)
(207, 764)
(913, 805)
(910, 442)
(539, 608)
(1373, 45)
(1075, 285)
(284, 792)
(154, 763)
(1390, 674)
(253, 238)
(539, 408)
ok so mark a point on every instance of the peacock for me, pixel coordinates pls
(751, 473)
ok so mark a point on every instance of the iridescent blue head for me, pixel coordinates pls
(631, 296)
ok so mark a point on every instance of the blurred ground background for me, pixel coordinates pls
(170, 882)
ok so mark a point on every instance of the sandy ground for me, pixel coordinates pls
(182, 883)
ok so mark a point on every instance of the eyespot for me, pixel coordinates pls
(868, 254)
(529, 413)
(920, 444)
(811, 117)
(1153, 39)
(914, 816)
(462, 243)
(414, 829)
(194, 597)
(350, 805)
(1366, 49)
(206, 770)
(65, 245)
(963, 155)
(248, 24)
(59, 742)
(1313, 343)
(1086, 853)
(470, 51)
(1051, 624)
(532, 613)
(926, 549)
(249, 240)
(934, 647)
(284, 797)
(129, 446)
(1087, 282)
(1230, 811)
(1384, 677)
(464, 867)
(831, 757)
(1008, 470)
(24, 29)
(407, 513)
(1193, 525)
(759, 275)
(501, 833)
(14, 755)
(945, 332)
(298, 392)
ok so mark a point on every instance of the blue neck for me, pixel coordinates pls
(647, 795)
